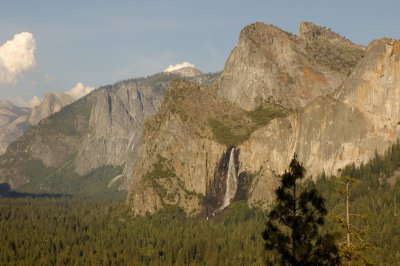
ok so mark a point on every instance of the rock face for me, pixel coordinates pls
(52, 103)
(178, 155)
(223, 187)
(13, 122)
(331, 132)
(102, 129)
(270, 65)
(342, 110)
(330, 49)
(201, 147)
(116, 124)
(187, 157)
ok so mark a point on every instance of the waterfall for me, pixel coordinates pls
(231, 181)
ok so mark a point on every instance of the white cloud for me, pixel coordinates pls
(172, 68)
(79, 91)
(16, 56)
(35, 101)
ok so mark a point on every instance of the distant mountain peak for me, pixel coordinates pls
(184, 69)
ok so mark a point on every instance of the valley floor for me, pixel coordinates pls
(77, 231)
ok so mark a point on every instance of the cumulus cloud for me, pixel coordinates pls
(172, 68)
(79, 91)
(16, 56)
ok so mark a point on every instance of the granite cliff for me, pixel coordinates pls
(52, 103)
(329, 124)
(348, 126)
(208, 140)
(13, 122)
(94, 136)
(16, 120)
(271, 65)
(178, 154)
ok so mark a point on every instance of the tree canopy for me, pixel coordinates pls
(294, 222)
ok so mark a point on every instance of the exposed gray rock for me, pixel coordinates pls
(116, 125)
(270, 65)
(329, 128)
(52, 103)
(101, 129)
(13, 122)
(332, 131)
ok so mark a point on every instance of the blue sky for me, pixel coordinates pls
(101, 42)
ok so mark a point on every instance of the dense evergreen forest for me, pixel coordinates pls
(64, 231)
(375, 205)
(73, 232)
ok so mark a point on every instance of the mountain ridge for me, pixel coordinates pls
(318, 130)
(271, 65)
(177, 141)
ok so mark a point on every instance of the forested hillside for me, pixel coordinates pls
(374, 203)
(83, 232)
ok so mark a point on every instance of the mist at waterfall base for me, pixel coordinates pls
(228, 184)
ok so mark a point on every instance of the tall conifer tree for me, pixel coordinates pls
(293, 226)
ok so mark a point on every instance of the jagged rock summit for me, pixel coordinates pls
(34, 111)
(52, 103)
(13, 122)
(88, 143)
(348, 126)
(271, 65)
(317, 94)
(184, 69)
(341, 105)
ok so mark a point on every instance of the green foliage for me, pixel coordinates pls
(353, 248)
(341, 58)
(229, 130)
(163, 169)
(227, 134)
(87, 232)
(65, 180)
(160, 169)
(293, 226)
(265, 113)
(72, 120)
(376, 199)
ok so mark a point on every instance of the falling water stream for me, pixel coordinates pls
(231, 181)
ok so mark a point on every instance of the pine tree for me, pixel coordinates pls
(293, 226)
(354, 249)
